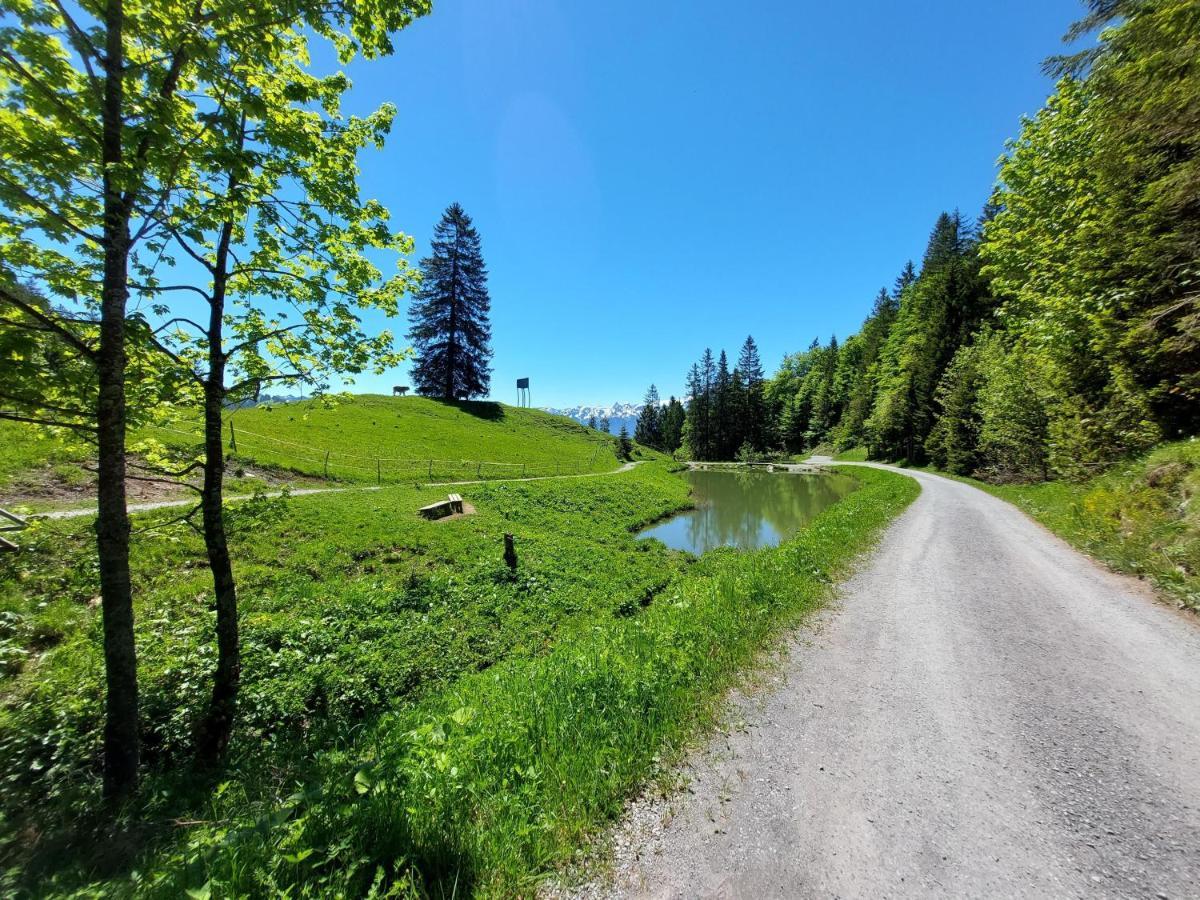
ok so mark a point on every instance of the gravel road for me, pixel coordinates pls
(984, 713)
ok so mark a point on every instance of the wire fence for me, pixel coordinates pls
(313, 460)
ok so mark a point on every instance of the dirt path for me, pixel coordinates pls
(986, 712)
(305, 492)
(625, 468)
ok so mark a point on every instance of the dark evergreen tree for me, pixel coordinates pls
(754, 411)
(624, 445)
(700, 428)
(954, 440)
(673, 417)
(449, 323)
(723, 410)
(938, 313)
(648, 430)
(591, 422)
(862, 380)
(906, 277)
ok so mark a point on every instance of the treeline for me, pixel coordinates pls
(1059, 332)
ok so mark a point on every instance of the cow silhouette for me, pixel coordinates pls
(399, 390)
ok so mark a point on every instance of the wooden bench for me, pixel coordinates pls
(438, 510)
(448, 507)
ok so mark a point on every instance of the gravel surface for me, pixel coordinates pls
(985, 712)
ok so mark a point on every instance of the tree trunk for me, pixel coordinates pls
(121, 748)
(216, 728)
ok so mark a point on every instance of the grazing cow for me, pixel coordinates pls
(399, 390)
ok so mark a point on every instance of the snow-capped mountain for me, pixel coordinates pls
(618, 414)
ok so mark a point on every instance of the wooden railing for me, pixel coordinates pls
(8, 523)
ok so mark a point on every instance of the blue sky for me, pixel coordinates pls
(651, 178)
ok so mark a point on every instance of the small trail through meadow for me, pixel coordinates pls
(307, 492)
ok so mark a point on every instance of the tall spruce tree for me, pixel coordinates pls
(754, 411)
(938, 312)
(648, 430)
(723, 408)
(673, 417)
(906, 277)
(450, 329)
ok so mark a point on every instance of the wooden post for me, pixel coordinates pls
(510, 554)
(378, 472)
(522, 470)
(232, 438)
(326, 463)
(431, 470)
(479, 469)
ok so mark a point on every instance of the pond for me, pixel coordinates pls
(747, 509)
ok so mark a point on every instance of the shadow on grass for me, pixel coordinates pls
(480, 409)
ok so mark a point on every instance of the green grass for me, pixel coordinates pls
(854, 454)
(412, 715)
(29, 455)
(1141, 517)
(362, 439)
(412, 438)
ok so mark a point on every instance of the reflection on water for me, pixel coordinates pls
(747, 509)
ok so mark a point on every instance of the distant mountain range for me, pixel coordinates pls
(618, 414)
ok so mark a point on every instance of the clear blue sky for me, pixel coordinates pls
(651, 178)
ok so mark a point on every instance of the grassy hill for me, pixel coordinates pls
(360, 439)
(411, 439)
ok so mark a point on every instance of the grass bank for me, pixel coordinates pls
(30, 456)
(1141, 517)
(361, 439)
(415, 718)
(369, 437)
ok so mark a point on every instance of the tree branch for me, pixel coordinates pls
(50, 211)
(57, 328)
(17, 417)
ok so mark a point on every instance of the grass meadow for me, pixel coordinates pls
(415, 718)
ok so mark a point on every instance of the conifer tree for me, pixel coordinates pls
(591, 422)
(937, 314)
(700, 429)
(648, 430)
(673, 417)
(906, 277)
(624, 445)
(723, 408)
(450, 329)
(753, 409)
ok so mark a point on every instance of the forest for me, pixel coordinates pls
(1050, 337)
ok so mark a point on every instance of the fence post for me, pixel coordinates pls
(378, 472)
(479, 469)
(326, 463)
(522, 470)
(431, 470)
(232, 438)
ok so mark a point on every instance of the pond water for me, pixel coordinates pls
(747, 509)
